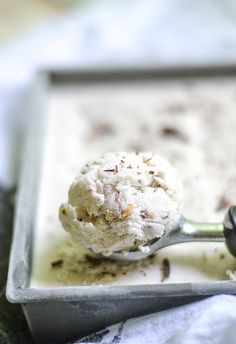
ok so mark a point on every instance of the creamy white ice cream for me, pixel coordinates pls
(192, 124)
(122, 201)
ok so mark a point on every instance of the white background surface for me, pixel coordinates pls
(110, 33)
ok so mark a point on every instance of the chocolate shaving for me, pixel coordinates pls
(93, 260)
(117, 196)
(165, 269)
(223, 203)
(143, 214)
(101, 129)
(79, 219)
(57, 263)
(170, 131)
(151, 172)
(151, 256)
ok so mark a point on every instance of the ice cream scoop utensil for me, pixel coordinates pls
(186, 231)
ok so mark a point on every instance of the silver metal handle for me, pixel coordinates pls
(186, 231)
(198, 231)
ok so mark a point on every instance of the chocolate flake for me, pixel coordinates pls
(143, 273)
(165, 269)
(93, 260)
(143, 214)
(171, 131)
(223, 203)
(117, 196)
(101, 129)
(151, 256)
(57, 263)
(79, 219)
(151, 172)
(110, 170)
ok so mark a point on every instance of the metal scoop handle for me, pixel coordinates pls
(230, 230)
(187, 231)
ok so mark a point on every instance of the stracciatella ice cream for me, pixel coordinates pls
(122, 201)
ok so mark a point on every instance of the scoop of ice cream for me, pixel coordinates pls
(122, 201)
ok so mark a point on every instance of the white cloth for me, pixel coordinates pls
(126, 32)
(211, 321)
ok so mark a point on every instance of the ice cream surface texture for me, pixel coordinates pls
(122, 201)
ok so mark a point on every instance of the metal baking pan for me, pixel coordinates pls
(65, 313)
